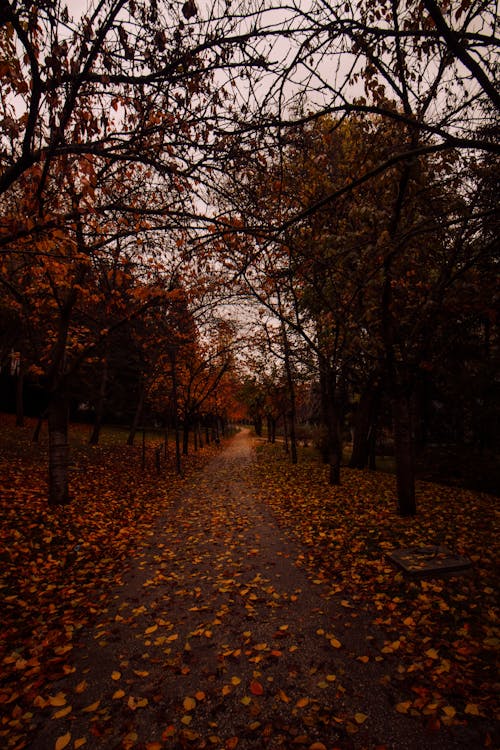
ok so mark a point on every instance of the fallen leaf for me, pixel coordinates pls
(256, 688)
(63, 712)
(360, 718)
(57, 700)
(63, 741)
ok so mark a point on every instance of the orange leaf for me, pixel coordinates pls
(302, 702)
(63, 712)
(256, 688)
(90, 709)
(57, 700)
(63, 741)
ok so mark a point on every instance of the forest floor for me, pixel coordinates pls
(247, 605)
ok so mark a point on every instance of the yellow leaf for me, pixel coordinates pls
(360, 718)
(63, 741)
(235, 680)
(449, 711)
(63, 712)
(129, 740)
(187, 719)
(190, 735)
(472, 709)
(246, 700)
(57, 700)
(93, 707)
(189, 704)
(116, 675)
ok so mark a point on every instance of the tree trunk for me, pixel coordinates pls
(185, 437)
(404, 453)
(175, 400)
(333, 448)
(58, 449)
(364, 421)
(20, 394)
(269, 428)
(137, 416)
(101, 400)
(291, 395)
(38, 428)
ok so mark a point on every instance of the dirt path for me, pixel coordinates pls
(217, 639)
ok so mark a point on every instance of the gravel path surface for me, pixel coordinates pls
(217, 639)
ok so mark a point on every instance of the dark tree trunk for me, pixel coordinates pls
(58, 449)
(137, 416)
(364, 422)
(404, 453)
(372, 442)
(285, 431)
(269, 428)
(332, 425)
(258, 426)
(20, 394)
(101, 400)
(175, 400)
(185, 437)
(38, 428)
(291, 396)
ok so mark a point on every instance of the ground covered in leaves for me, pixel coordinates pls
(247, 606)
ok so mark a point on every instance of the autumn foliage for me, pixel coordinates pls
(58, 564)
(439, 637)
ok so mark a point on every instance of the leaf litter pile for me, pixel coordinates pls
(247, 606)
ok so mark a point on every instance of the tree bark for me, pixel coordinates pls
(404, 453)
(20, 394)
(138, 414)
(185, 437)
(291, 395)
(58, 449)
(101, 400)
(330, 408)
(364, 424)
